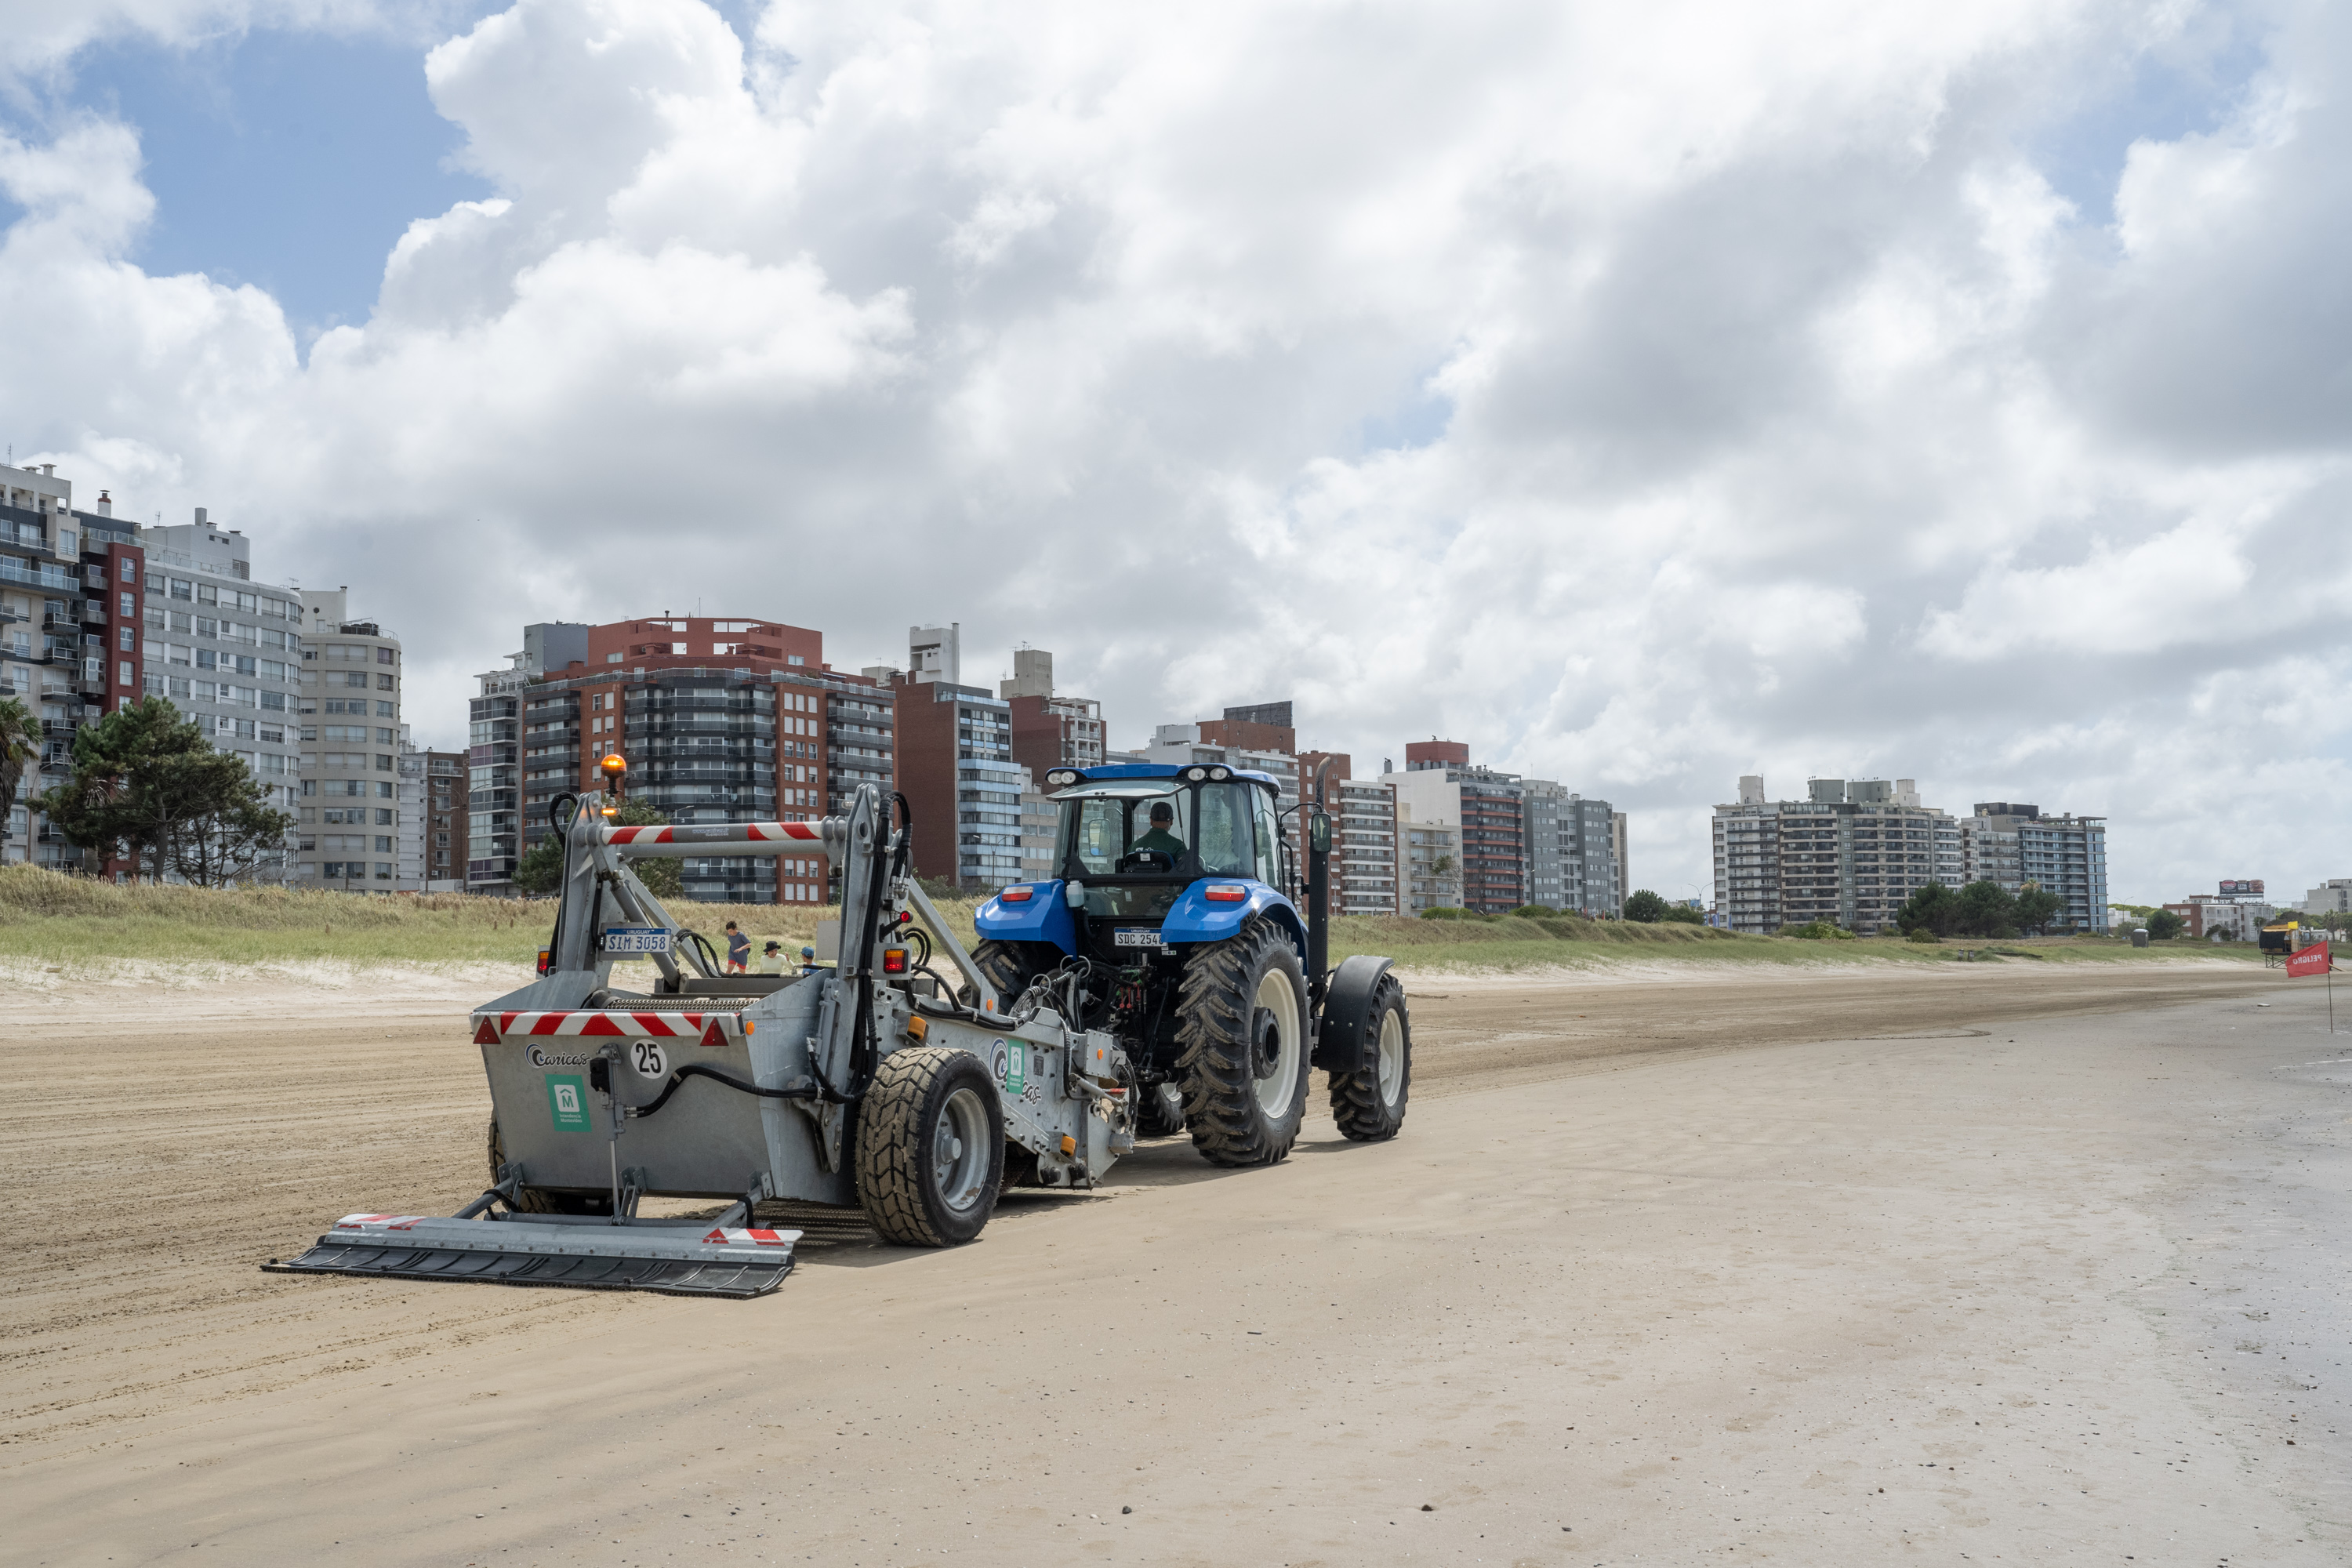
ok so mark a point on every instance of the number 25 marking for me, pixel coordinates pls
(649, 1059)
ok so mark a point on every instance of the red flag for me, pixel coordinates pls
(2309, 960)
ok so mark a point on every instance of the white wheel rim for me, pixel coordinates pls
(1279, 1088)
(959, 1151)
(1391, 1058)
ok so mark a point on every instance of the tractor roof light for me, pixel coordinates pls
(1062, 778)
(1195, 774)
(1221, 773)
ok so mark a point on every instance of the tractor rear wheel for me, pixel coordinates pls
(1368, 1105)
(1241, 1037)
(536, 1200)
(930, 1147)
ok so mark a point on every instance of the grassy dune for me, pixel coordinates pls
(60, 919)
(1511, 943)
(63, 920)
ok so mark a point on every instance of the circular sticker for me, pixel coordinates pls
(997, 1060)
(649, 1060)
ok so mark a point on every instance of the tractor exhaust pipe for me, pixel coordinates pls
(1319, 888)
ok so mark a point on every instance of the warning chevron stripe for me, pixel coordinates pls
(659, 1026)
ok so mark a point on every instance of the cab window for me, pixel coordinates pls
(1224, 845)
(1269, 834)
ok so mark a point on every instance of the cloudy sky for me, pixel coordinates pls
(1643, 395)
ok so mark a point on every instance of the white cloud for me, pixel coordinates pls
(1646, 396)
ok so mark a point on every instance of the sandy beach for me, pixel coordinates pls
(2007, 1262)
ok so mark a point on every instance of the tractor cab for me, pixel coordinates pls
(1151, 857)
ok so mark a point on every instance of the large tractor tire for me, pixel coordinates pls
(1009, 965)
(1241, 1036)
(930, 1147)
(531, 1200)
(1368, 1105)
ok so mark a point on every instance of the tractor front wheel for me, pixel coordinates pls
(1160, 1110)
(1010, 967)
(1242, 1041)
(1369, 1104)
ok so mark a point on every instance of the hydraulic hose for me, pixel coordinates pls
(695, 1070)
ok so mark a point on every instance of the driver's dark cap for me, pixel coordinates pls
(1162, 811)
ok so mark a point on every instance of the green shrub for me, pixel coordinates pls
(1922, 935)
(1818, 930)
(1645, 907)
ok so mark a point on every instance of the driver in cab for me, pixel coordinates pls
(1159, 840)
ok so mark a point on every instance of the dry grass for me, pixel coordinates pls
(60, 919)
(56, 919)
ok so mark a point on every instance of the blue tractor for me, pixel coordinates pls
(1169, 926)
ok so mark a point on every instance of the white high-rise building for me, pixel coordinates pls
(351, 810)
(226, 651)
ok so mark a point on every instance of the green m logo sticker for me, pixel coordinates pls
(567, 1101)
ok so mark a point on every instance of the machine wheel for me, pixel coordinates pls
(1008, 967)
(1160, 1110)
(930, 1147)
(534, 1199)
(1369, 1106)
(1242, 1041)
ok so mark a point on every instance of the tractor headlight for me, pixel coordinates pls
(1195, 775)
(1221, 773)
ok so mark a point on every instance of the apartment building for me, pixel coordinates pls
(1498, 849)
(1574, 850)
(1364, 862)
(719, 720)
(957, 772)
(227, 652)
(349, 817)
(955, 766)
(2012, 844)
(2333, 896)
(1432, 864)
(444, 816)
(1850, 853)
(70, 614)
(1364, 879)
(1050, 729)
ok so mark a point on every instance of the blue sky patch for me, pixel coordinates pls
(289, 160)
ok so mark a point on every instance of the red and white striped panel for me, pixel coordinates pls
(728, 1237)
(541, 1025)
(729, 833)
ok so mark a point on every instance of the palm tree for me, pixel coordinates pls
(20, 743)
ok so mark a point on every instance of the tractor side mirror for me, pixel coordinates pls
(1318, 832)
